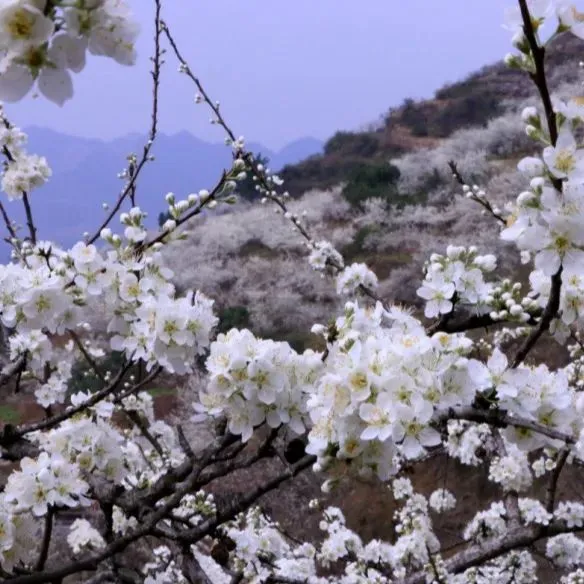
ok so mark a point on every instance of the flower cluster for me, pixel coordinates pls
(48, 480)
(384, 381)
(254, 381)
(84, 537)
(262, 551)
(324, 254)
(43, 42)
(457, 277)
(52, 288)
(22, 172)
(162, 568)
(354, 277)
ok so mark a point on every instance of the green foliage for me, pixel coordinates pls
(161, 391)
(371, 180)
(9, 414)
(352, 144)
(233, 317)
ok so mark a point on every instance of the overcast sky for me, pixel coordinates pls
(283, 69)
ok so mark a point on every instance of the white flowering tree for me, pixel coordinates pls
(388, 392)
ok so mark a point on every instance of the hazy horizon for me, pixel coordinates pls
(282, 72)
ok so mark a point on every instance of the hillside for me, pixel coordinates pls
(474, 101)
(255, 265)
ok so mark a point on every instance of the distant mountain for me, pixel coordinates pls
(85, 175)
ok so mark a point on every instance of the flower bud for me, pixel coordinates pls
(512, 61)
(519, 41)
(318, 329)
(528, 114)
(532, 132)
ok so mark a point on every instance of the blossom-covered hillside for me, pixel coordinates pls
(255, 267)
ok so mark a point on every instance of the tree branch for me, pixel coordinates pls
(145, 157)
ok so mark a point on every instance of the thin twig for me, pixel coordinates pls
(56, 420)
(86, 355)
(145, 157)
(485, 204)
(47, 534)
(555, 477)
(7, 221)
(251, 164)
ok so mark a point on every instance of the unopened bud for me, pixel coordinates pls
(512, 61)
(532, 131)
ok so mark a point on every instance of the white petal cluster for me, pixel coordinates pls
(253, 380)
(517, 566)
(511, 471)
(571, 513)
(533, 512)
(48, 480)
(53, 289)
(24, 174)
(466, 439)
(381, 387)
(487, 524)
(442, 500)
(262, 551)
(565, 550)
(84, 537)
(324, 254)
(457, 276)
(95, 446)
(43, 42)
(354, 277)
(163, 568)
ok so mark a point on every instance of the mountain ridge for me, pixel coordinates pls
(471, 102)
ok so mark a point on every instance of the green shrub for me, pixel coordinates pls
(233, 317)
(352, 143)
(371, 180)
(9, 414)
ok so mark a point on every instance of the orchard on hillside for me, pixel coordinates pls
(388, 392)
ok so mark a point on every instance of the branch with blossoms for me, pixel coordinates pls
(323, 255)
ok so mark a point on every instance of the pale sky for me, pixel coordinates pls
(283, 69)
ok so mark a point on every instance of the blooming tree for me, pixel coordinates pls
(389, 391)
